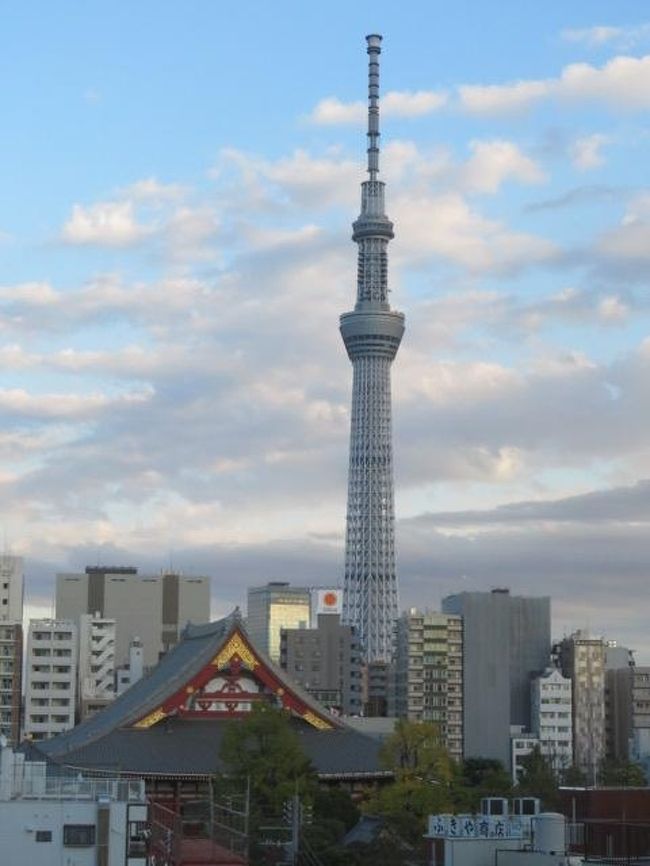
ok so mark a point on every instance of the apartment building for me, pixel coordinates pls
(50, 678)
(11, 663)
(552, 717)
(96, 664)
(428, 673)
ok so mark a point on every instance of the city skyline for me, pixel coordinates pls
(175, 241)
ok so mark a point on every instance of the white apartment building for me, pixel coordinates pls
(50, 678)
(552, 717)
(96, 671)
(11, 588)
(69, 819)
(428, 673)
(583, 661)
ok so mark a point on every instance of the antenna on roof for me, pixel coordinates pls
(374, 50)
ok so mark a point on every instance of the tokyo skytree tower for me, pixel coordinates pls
(372, 333)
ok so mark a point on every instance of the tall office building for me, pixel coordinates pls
(506, 640)
(155, 608)
(11, 588)
(372, 333)
(619, 677)
(583, 660)
(428, 674)
(273, 607)
(50, 678)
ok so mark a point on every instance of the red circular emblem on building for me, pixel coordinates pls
(329, 599)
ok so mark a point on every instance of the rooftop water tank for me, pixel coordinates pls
(549, 833)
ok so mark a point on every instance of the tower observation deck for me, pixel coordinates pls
(372, 333)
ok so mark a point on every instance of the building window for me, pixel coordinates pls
(43, 835)
(78, 835)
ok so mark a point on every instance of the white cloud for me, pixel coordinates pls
(612, 309)
(631, 239)
(622, 83)
(152, 190)
(600, 35)
(495, 161)
(445, 225)
(597, 35)
(20, 402)
(586, 153)
(331, 111)
(108, 223)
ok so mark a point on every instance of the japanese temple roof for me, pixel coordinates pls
(187, 748)
(139, 733)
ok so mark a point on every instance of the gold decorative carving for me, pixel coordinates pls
(151, 719)
(317, 722)
(235, 647)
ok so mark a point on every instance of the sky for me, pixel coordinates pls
(178, 186)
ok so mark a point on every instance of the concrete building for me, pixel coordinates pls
(582, 659)
(619, 674)
(640, 739)
(69, 820)
(11, 588)
(96, 664)
(11, 646)
(11, 665)
(274, 607)
(428, 673)
(50, 678)
(506, 640)
(154, 608)
(372, 333)
(326, 660)
(130, 673)
(552, 717)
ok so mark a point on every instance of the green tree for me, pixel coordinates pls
(622, 774)
(423, 778)
(264, 750)
(416, 748)
(538, 779)
(478, 778)
(574, 777)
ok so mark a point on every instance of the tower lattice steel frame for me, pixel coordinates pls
(372, 333)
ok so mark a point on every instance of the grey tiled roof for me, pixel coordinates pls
(191, 747)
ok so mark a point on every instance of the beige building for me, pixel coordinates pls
(50, 678)
(583, 660)
(428, 673)
(153, 608)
